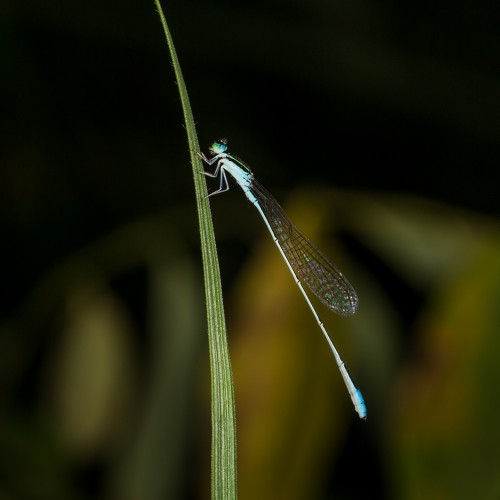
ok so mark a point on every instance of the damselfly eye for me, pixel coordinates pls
(219, 147)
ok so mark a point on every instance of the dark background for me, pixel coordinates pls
(373, 98)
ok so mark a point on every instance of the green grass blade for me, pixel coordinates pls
(223, 410)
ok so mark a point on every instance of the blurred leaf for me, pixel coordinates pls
(293, 405)
(92, 372)
(152, 468)
(446, 437)
(422, 240)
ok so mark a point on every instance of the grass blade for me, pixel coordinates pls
(223, 409)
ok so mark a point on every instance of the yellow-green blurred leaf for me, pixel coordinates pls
(91, 370)
(423, 240)
(446, 438)
(293, 406)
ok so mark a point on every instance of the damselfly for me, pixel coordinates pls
(306, 263)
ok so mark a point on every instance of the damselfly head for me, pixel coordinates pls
(219, 147)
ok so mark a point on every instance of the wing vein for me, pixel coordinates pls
(312, 268)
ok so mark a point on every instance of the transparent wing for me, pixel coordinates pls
(312, 268)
